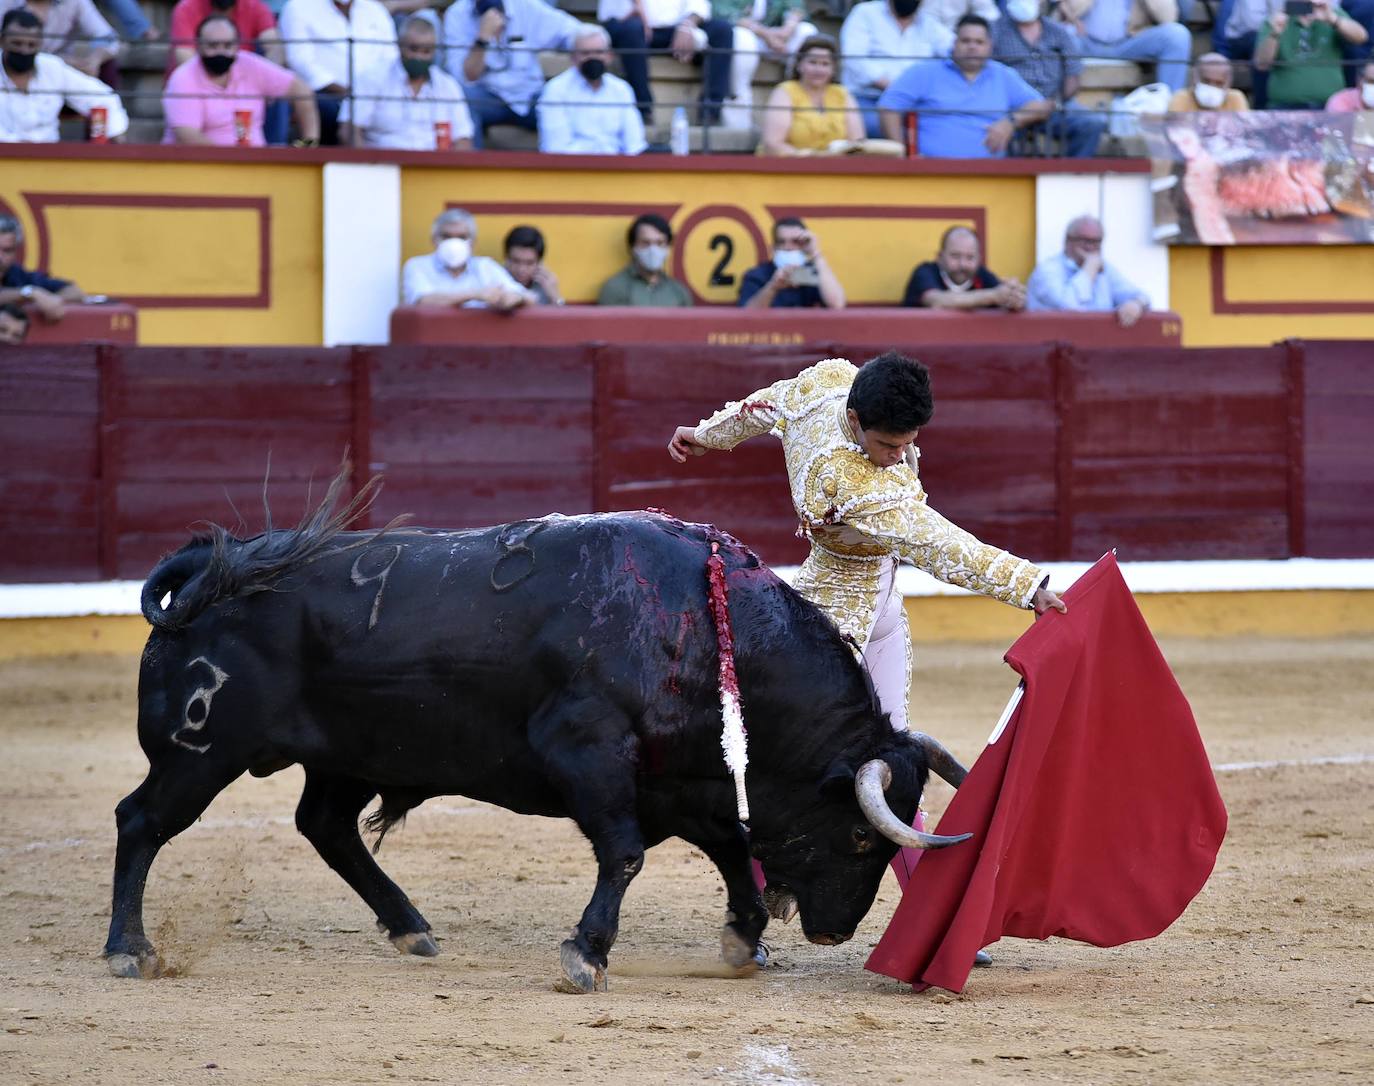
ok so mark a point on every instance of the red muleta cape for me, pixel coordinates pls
(1095, 813)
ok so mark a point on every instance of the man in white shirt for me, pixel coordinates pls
(34, 87)
(683, 27)
(586, 110)
(452, 276)
(879, 40)
(330, 43)
(408, 104)
(493, 48)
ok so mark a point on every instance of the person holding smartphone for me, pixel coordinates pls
(1301, 48)
(798, 276)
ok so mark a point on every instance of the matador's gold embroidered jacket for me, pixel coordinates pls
(856, 513)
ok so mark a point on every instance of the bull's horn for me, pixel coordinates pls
(941, 761)
(869, 785)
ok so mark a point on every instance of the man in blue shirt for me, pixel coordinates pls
(43, 294)
(1079, 279)
(969, 105)
(797, 277)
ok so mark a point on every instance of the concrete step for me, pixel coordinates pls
(1114, 75)
(145, 130)
(142, 94)
(723, 141)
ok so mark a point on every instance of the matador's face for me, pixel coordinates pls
(883, 448)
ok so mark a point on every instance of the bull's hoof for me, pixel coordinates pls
(580, 976)
(420, 943)
(761, 955)
(143, 966)
(737, 952)
(780, 903)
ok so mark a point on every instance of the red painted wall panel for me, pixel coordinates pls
(1338, 452)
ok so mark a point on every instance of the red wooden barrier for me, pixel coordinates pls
(113, 322)
(108, 454)
(725, 326)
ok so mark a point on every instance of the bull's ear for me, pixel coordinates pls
(838, 781)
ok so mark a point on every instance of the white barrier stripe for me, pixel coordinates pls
(1285, 763)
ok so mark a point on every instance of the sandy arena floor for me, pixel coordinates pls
(1268, 977)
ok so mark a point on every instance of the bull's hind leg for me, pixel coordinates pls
(173, 795)
(328, 818)
(588, 751)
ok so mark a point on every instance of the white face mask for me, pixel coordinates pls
(1367, 95)
(652, 257)
(1023, 11)
(1208, 96)
(454, 252)
(788, 258)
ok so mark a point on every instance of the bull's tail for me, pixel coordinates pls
(172, 575)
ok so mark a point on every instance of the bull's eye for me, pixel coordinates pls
(862, 837)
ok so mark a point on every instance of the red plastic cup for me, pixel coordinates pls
(913, 144)
(443, 136)
(243, 127)
(99, 121)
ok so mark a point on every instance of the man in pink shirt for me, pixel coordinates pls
(219, 96)
(1356, 98)
(256, 25)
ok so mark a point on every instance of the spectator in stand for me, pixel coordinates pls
(1140, 30)
(47, 296)
(219, 96)
(329, 43)
(805, 115)
(14, 324)
(34, 86)
(1304, 54)
(452, 276)
(401, 105)
(973, 106)
(948, 12)
(798, 276)
(74, 32)
(1079, 280)
(1211, 88)
(256, 24)
(956, 278)
(643, 281)
(1049, 56)
(881, 39)
(493, 49)
(525, 262)
(686, 28)
(131, 19)
(586, 110)
(773, 28)
(1234, 31)
(1356, 99)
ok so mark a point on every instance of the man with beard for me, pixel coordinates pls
(586, 110)
(34, 87)
(970, 105)
(219, 96)
(956, 278)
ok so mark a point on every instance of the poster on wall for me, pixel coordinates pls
(1262, 178)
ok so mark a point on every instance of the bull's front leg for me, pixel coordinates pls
(584, 954)
(745, 916)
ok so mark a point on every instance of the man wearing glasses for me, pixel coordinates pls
(1079, 279)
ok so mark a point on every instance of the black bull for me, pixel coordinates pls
(563, 667)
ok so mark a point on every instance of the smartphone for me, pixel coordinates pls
(1295, 8)
(805, 276)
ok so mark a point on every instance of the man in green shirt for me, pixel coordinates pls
(1305, 55)
(644, 282)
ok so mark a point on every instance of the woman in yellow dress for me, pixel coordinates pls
(805, 115)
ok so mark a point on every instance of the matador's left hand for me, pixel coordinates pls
(1045, 600)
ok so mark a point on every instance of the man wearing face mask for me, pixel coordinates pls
(1357, 98)
(879, 40)
(1211, 89)
(452, 276)
(34, 86)
(586, 110)
(218, 97)
(1049, 56)
(329, 43)
(644, 282)
(256, 24)
(798, 276)
(409, 104)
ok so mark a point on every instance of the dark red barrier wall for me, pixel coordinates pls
(108, 454)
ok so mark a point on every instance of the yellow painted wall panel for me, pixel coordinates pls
(1300, 273)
